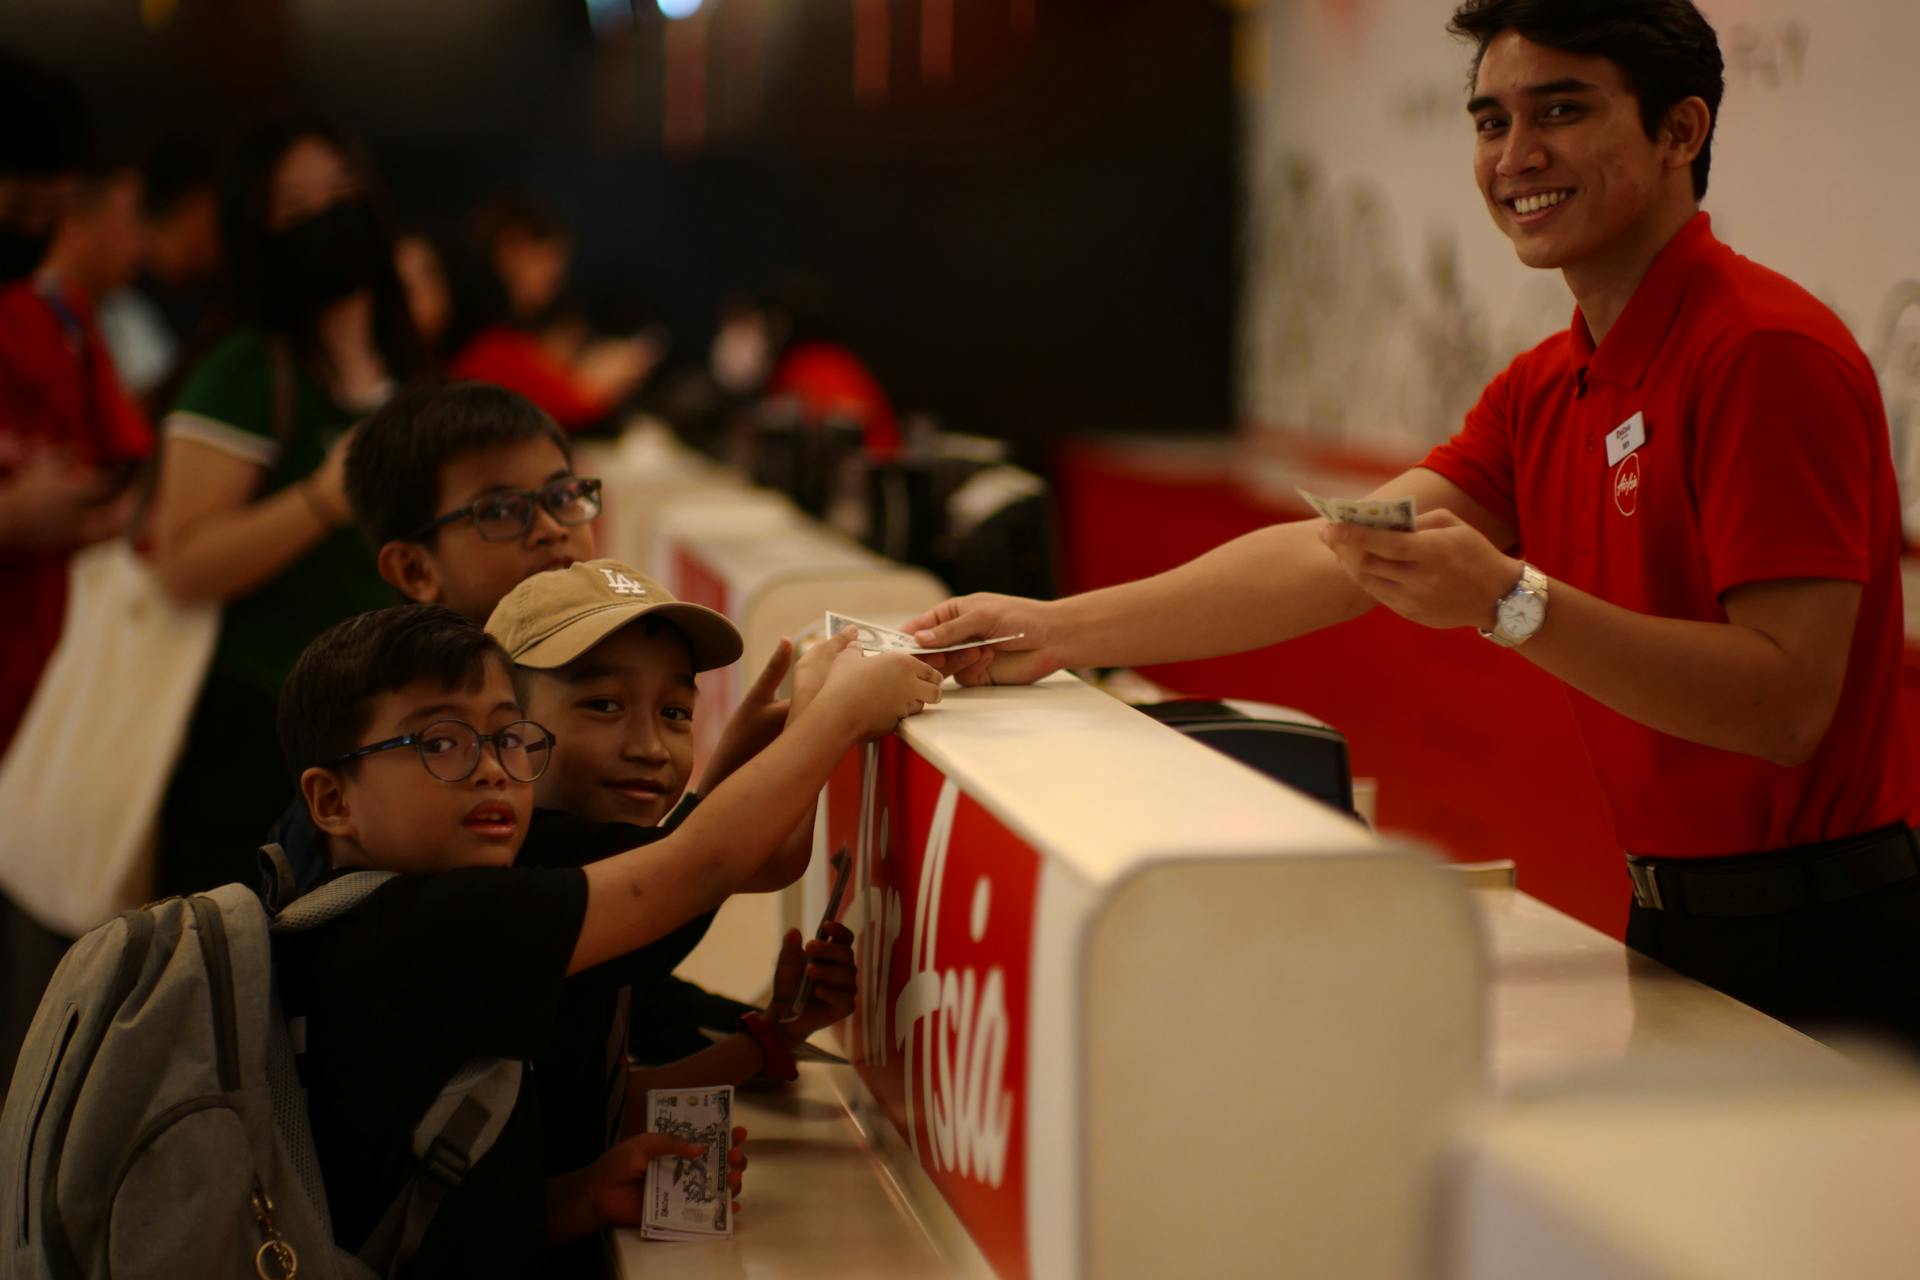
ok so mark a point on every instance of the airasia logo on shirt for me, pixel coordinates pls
(1626, 485)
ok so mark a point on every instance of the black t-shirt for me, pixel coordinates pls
(424, 975)
(582, 1075)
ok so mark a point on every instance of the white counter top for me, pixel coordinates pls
(1567, 997)
(1025, 752)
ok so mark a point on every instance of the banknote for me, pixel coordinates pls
(1374, 513)
(689, 1198)
(875, 638)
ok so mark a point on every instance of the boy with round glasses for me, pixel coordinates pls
(411, 753)
(464, 490)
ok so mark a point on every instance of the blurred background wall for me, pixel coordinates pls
(1025, 209)
(1378, 297)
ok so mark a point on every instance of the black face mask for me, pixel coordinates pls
(323, 259)
(21, 252)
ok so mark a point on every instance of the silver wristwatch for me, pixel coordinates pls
(1519, 613)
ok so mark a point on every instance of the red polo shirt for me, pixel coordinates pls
(1766, 456)
(517, 361)
(57, 390)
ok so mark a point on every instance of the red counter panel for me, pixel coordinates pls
(945, 949)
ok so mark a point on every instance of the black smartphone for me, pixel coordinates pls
(842, 864)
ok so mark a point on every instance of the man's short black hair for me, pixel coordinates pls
(1665, 49)
(397, 455)
(324, 703)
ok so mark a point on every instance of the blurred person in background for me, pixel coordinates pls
(249, 510)
(779, 344)
(815, 365)
(161, 320)
(523, 333)
(422, 269)
(70, 437)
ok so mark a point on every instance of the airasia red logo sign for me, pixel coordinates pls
(943, 926)
(1626, 485)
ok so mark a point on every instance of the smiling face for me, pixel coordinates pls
(623, 716)
(385, 810)
(469, 573)
(1564, 162)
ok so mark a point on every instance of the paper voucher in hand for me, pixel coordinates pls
(690, 1198)
(875, 638)
(1374, 513)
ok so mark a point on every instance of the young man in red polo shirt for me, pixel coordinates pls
(1697, 474)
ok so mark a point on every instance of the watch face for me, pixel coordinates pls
(1521, 616)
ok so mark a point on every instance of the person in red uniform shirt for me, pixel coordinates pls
(531, 341)
(68, 430)
(1683, 506)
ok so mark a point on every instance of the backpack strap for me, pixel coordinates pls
(329, 902)
(311, 910)
(276, 877)
(457, 1130)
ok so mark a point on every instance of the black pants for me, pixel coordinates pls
(1838, 968)
(226, 792)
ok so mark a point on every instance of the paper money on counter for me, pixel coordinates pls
(1374, 513)
(690, 1198)
(875, 638)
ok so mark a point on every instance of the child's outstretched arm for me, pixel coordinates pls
(643, 894)
(789, 861)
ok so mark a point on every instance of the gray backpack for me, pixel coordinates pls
(156, 1125)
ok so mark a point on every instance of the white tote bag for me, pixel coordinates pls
(82, 783)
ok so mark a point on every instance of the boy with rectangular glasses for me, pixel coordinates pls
(463, 491)
(466, 490)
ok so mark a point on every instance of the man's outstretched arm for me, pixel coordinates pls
(1267, 586)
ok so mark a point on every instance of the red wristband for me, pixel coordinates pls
(779, 1063)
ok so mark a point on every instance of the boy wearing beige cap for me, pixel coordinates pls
(610, 656)
(606, 659)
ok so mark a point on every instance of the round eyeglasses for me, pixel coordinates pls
(507, 514)
(450, 749)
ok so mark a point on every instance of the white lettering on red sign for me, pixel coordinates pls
(951, 1024)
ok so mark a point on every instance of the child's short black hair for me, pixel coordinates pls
(397, 455)
(323, 705)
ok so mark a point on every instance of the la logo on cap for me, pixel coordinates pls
(621, 585)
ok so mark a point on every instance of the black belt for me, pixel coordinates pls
(1781, 880)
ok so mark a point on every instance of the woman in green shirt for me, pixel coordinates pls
(250, 512)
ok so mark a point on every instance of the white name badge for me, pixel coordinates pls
(1625, 438)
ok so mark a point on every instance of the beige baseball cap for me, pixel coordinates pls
(555, 616)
